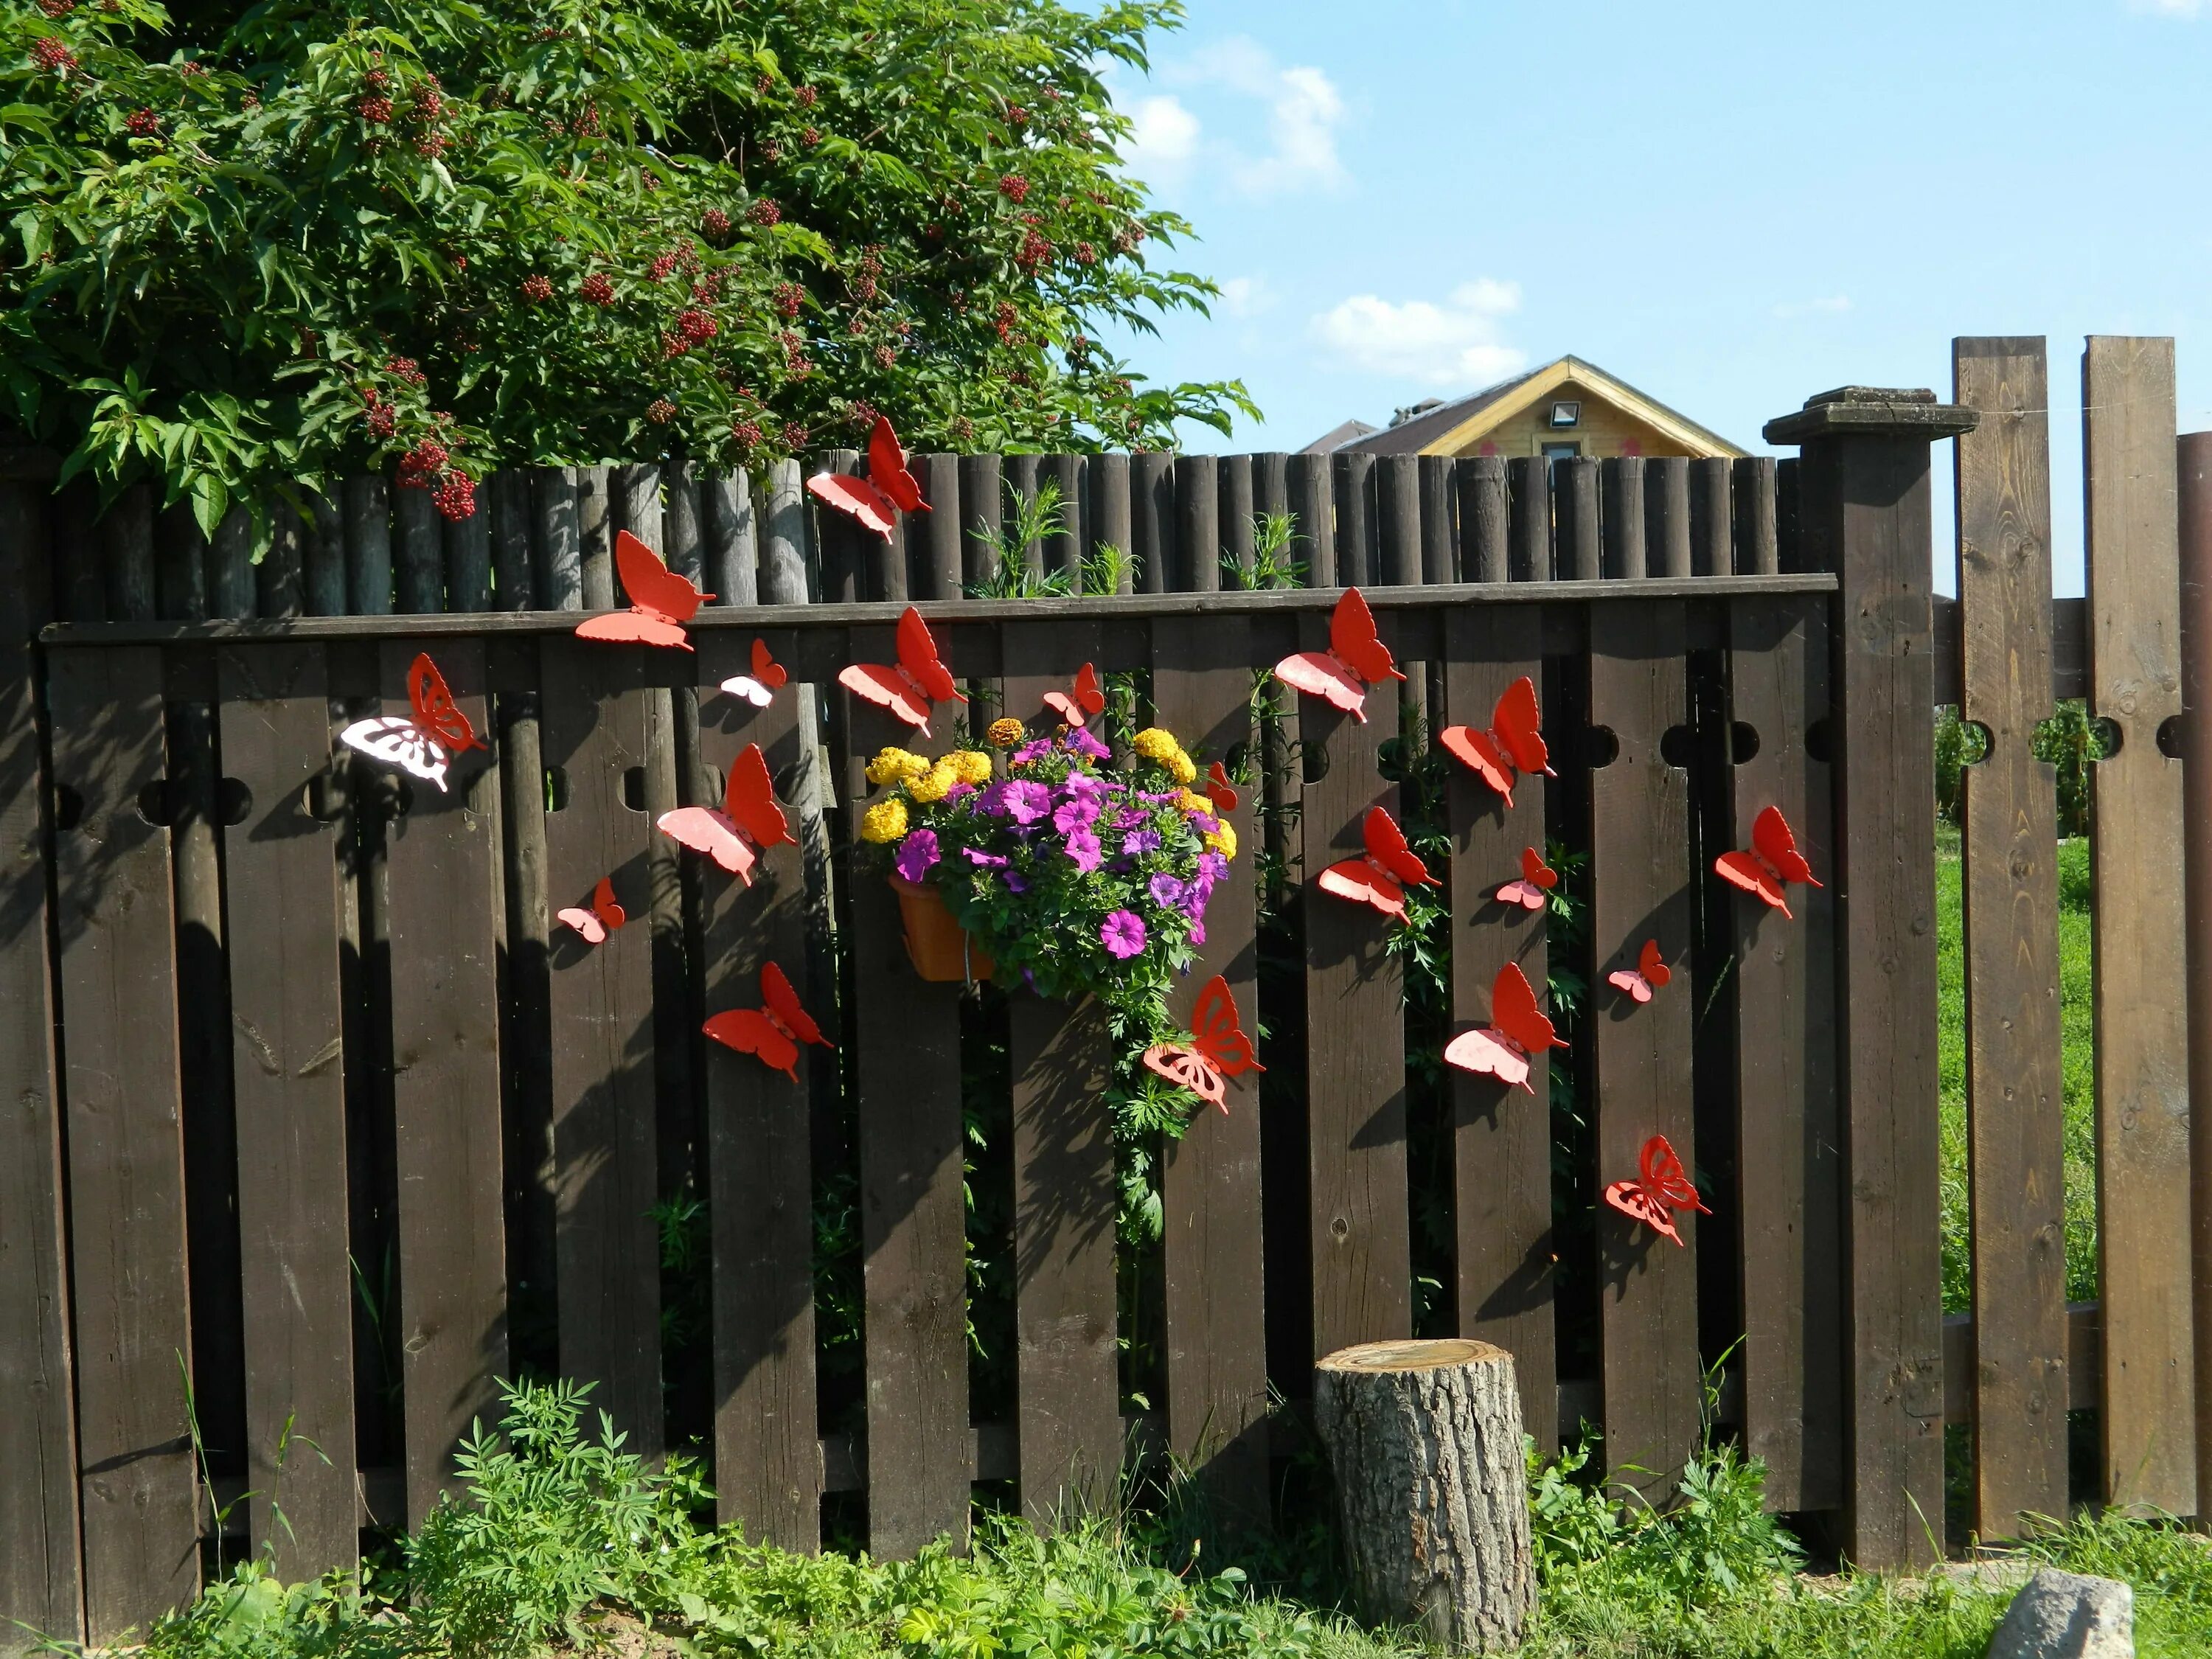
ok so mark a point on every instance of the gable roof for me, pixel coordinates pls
(1452, 428)
(1340, 437)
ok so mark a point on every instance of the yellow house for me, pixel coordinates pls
(1566, 408)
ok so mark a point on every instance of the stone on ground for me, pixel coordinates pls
(2067, 1615)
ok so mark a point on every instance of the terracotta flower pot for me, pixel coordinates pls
(940, 949)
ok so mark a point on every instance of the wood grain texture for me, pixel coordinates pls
(732, 529)
(1234, 511)
(1501, 1136)
(1788, 1171)
(768, 1473)
(595, 728)
(1153, 520)
(1575, 513)
(1528, 520)
(1758, 551)
(419, 553)
(1106, 488)
(118, 994)
(939, 534)
(983, 513)
(1397, 485)
(2016, 1129)
(596, 522)
(1215, 1276)
(1621, 487)
(1712, 513)
(2141, 1027)
(1639, 861)
(280, 871)
(557, 551)
(1352, 485)
(1439, 520)
(1197, 568)
(1482, 519)
(1666, 545)
(507, 504)
(1313, 518)
(442, 862)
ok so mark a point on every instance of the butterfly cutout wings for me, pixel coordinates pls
(1356, 659)
(1513, 744)
(424, 740)
(1537, 879)
(773, 1031)
(913, 684)
(660, 601)
(1381, 877)
(768, 677)
(1079, 701)
(1662, 1191)
(1650, 974)
(1218, 1050)
(1518, 1031)
(1772, 860)
(602, 919)
(748, 825)
(876, 499)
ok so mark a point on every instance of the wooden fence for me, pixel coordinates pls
(302, 1083)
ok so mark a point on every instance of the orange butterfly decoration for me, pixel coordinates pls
(888, 490)
(424, 741)
(1772, 860)
(1080, 701)
(1511, 745)
(773, 1031)
(758, 687)
(1218, 1048)
(1356, 659)
(660, 601)
(1518, 1031)
(602, 919)
(1219, 789)
(1382, 876)
(1661, 1192)
(913, 684)
(749, 823)
(1537, 879)
(1650, 974)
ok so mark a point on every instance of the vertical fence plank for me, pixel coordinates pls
(468, 556)
(1233, 513)
(783, 570)
(1152, 520)
(281, 877)
(2193, 461)
(180, 553)
(126, 540)
(1271, 483)
(2141, 1027)
(1021, 476)
(232, 591)
(595, 728)
(983, 508)
(1639, 859)
(1106, 490)
(1786, 1137)
(41, 1586)
(441, 923)
(1576, 494)
(508, 508)
(1313, 514)
(1529, 518)
(1621, 485)
(1063, 549)
(1352, 485)
(1757, 550)
(938, 567)
(2016, 1124)
(1501, 1136)
(1712, 513)
(732, 537)
(117, 995)
(1439, 525)
(1216, 1362)
(767, 1469)
(1197, 566)
(421, 553)
(683, 526)
(596, 522)
(556, 516)
(1666, 545)
(1398, 520)
(1482, 519)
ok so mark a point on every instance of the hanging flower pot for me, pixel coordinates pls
(942, 951)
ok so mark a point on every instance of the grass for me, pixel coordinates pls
(2077, 1069)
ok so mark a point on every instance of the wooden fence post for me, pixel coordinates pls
(1864, 514)
(2193, 466)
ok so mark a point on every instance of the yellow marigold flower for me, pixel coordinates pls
(1156, 742)
(1182, 767)
(884, 821)
(1006, 733)
(973, 765)
(933, 784)
(896, 765)
(1193, 802)
(1224, 839)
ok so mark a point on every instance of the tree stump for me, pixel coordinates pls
(1431, 1485)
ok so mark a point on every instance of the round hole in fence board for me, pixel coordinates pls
(69, 807)
(2169, 737)
(557, 788)
(1600, 748)
(154, 805)
(325, 797)
(1743, 741)
(1819, 741)
(1312, 761)
(2110, 739)
(1233, 761)
(633, 788)
(232, 801)
(1678, 747)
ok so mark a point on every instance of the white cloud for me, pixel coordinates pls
(1831, 303)
(1247, 296)
(1452, 343)
(1304, 107)
(2169, 8)
(1163, 137)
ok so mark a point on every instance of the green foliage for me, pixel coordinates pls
(246, 244)
(2069, 742)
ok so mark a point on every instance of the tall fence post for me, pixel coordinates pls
(1864, 513)
(2195, 468)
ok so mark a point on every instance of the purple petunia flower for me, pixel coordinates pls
(1198, 932)
(959, 790)
(1167, 892)
(1078, 813)
(1081, 786)
(1122, 933)
(1128, 818)
(1080, 742)
(1016, 882)
(1159, 794)
(1140, 840)
(1211, 866)
(918, 853)
(987, 861)
(1027, 801)
(1084, 851)
(1036, 750)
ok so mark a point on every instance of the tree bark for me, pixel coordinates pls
(1432, 1487)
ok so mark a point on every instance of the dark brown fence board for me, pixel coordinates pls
(982, 516)
(1152, 520)
(2142, 1026)
(1667, 548)
(1758, 548)
(595, 534)
(125, 1176)
(1313, 518)
(41, 1586)
(1397, 489)
(558, 544)
(939, 533)
(1482, 519)
(1787, 1167)
(768, 1473)
(1234, 512)
(1355, 1041)
(1575, 510)
(1107, 509)
(2016, 1126)
(1439, 521)
(1501, 1136)
(1639, 859)
(1352, 486)
(1528, 520)
(595, 727)
(1217, 1363)
(422, 564)
(280, 873)
(443, 887)
(1197, 568)
(1621, 487)
(1712, 513)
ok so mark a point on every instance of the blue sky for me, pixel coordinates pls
(1729, 206)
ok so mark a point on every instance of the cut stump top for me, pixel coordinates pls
(1411, 1356)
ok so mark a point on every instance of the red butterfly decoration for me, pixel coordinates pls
(602, 919)
(1773, 859)
(759, 687)
(1663, 1191)
(1218, 791)
(749, 823)
(1219, 1049)
(1517, 1029)
(425, 741)
(1537, 879)
(1512, 744)
(889, 488)
(660, 601)
(772, 1031)
(1382, 876)
(1081, 700)
(911, 685)
(1650, 974)
(1356, 659)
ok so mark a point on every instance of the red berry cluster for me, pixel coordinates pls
(382, 417)
(857, 326)
(538, 288)
(598, 289)
(1035, 251)
(191, 67)
(806, 96)
(885, 356)
(860, 413)
(1004, 319)
(714, 222)
(455, 496)
(772, 152)
(865, 274)
(586, 125)
(764, 212)
(420, 465)
(429, 101)
(747, 434)
(764, 85)
(143, 124)
(794, 435)
(961, 428)
(406, 369)
(660, 411)
(661, 267)
(49, 53)
(375, 109)
(696, 326)
(1085, 254)
(789, 296)
(1014, 188)
(58, 8)
(1128, 236)
(1016, 116)
(810, 137)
